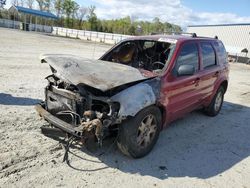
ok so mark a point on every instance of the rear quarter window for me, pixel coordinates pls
(208, 55)
(221, 52)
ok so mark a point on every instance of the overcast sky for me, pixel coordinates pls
(180, 12)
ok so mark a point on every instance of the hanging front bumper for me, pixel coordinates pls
(58, 123)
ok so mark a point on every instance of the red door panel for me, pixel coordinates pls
(208, 79)
(183, 96)
(211, 70)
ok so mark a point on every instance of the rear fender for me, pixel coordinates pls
(216, 87)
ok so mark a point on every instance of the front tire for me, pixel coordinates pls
(138, 135)
(215, 106)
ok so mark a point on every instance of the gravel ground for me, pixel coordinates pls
(196, 151)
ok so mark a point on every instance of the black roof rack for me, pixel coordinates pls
(194, 35)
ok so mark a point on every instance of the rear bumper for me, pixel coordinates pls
(64, 126)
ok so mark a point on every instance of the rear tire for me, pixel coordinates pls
(138, 135)
(215, 106)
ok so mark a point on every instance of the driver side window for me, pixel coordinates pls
(188, 55)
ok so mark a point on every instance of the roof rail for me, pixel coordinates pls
(182, 33)
(194, 35)
(175, 33)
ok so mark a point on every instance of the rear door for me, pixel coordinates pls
(210, 69)
(183, 91)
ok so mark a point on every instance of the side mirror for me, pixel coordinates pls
(185, 70)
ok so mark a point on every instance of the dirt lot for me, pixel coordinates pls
(197, 151)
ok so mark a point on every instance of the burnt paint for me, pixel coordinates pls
(98, 74)
(135, 98)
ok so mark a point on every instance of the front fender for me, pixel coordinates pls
(135, 98)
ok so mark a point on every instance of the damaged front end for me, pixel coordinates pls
(76, 111)
(88, 112)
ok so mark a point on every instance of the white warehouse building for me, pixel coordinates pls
(236, 37)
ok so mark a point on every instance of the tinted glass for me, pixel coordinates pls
(188, 56)
(221, 51)
(208, 55)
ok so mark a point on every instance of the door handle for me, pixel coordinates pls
(216, 73)
(196, 81)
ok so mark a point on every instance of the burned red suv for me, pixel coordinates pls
(134, 90)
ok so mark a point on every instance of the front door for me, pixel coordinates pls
(183, 92)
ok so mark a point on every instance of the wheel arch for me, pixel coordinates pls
(163, 115)
(224, 84)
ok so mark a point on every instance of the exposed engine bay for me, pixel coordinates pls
(78, 107)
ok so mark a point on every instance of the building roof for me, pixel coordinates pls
(33, 12)
(215, 25)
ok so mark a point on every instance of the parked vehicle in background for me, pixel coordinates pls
(134, 90)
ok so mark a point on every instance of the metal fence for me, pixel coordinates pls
(9, 23)
(31, 27)
(109, 38)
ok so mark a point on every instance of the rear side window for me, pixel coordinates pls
(188, 56)
(208, 55)
(221, 52)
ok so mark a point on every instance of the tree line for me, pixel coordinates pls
(72, 15)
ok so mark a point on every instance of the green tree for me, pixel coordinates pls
(2, 3)
(69, 8)
(80, 14)
(92, 18)
(157, 25)
(132, 30)
(72, 15)
(58, 5)
(74, 12)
